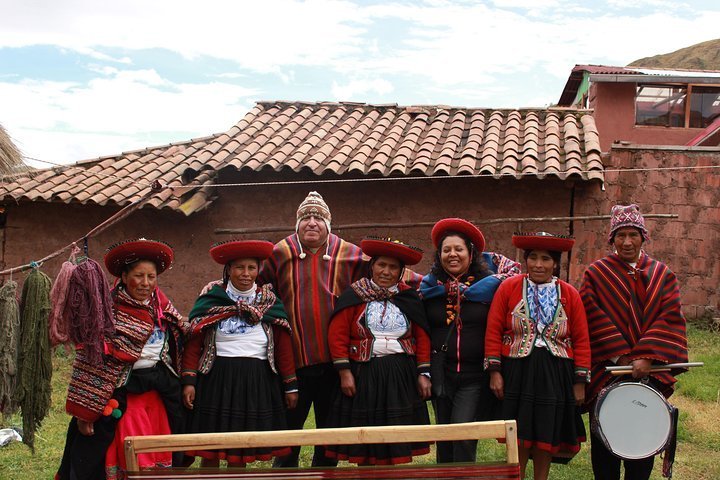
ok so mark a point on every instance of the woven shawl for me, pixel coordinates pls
(406, 299)
(481, 290)
(215, 306)
(620, 323)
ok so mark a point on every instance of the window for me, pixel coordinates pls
(704, 106)
(660, 105)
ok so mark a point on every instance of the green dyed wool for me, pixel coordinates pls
(34, 360)
(9, 333)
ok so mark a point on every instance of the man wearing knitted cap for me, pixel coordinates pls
(634, 318)
(310, 269)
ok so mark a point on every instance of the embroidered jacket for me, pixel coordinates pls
(200, 351)
(511, 332)
(91, 386)
(634, 312)
(352, 339)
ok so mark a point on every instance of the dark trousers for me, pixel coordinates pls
(317, 386)
(461, 405)
(84, 455)
(606, 466)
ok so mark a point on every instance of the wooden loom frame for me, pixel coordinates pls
(501, 429)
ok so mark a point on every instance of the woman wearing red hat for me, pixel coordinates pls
(141, 360)
(538, 353)
(380, 346)
(457, 295)
(239, 359)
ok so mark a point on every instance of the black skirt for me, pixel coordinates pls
(239, 394)
(539, 395)
(385, 394)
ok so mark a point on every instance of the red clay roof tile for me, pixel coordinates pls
(332, 137)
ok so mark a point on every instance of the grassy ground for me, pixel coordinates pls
(698, 397)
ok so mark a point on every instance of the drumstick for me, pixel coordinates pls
(626, 369)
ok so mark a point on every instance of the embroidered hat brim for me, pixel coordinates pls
(226, 252)
(128, 252)
(461, 226)
(408, 255)
(547, 242)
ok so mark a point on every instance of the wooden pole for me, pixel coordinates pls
(511, 444)
(131, 458)
(323, 436)
(370, 226)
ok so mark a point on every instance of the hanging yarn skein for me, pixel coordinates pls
(59, 328)
(34, 361)
(88, 310)
(9, 334)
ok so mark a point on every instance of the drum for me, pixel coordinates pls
(633, 420)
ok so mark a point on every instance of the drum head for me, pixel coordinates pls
(634, 420)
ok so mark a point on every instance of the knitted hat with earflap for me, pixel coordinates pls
(627, 216)
(313, 206)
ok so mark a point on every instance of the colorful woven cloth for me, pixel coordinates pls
(622, 322)
(308, 288)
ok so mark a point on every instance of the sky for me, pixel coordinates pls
(81, 79)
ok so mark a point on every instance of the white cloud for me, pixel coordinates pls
(433, 51)
(358, 90)
(123, 111)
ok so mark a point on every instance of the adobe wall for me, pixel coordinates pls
(35, 229)
(688, 244)
(614, 113)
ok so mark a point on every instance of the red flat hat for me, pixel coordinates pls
(381, 247)
(122, 254)
(226, 252)
(461, 226)
(543, 241)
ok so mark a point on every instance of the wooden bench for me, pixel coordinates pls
(507, 470)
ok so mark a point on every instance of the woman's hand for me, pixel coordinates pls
(291, 399)
(579, 392)
(347, 382)
(189, 396)
(424, 386)
(497, 385)
(86, 428)
(641, 368)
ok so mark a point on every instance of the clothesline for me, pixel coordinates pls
(486, 221)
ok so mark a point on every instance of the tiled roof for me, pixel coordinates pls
(338, 138)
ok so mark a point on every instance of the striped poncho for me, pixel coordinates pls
(634, 312)
(309, 287)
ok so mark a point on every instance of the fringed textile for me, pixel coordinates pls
(34, 362)
(9, 333)
(88, 309)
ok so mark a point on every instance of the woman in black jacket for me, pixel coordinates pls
(457, 295)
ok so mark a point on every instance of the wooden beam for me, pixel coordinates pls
(323, 436)
(370, 226)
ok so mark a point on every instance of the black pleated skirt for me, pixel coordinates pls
(385, 394)
(239, 394)
(539, 395)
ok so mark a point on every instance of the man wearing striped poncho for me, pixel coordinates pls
(634, 318)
